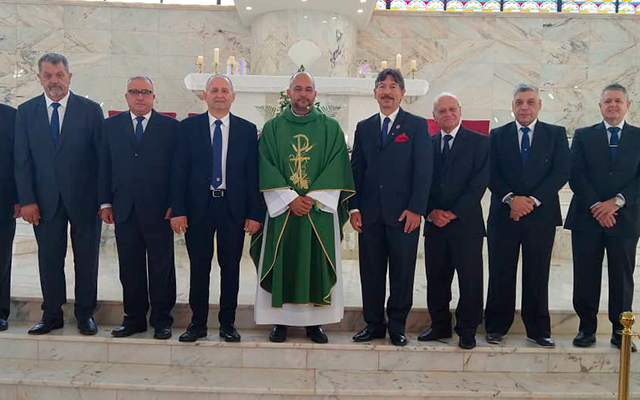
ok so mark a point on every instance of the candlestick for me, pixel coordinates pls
(398, 61)
(232, 61)
(414, 68)
(384, 64)
(200, 63)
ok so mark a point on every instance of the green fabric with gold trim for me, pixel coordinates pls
(304, 153)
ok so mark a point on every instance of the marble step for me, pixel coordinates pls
(56, 380)
(109, 312)
(516, 354)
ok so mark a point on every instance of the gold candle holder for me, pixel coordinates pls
(215, 67)
(232, 63)
(414, 68)
(200, 64)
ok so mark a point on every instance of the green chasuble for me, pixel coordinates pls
(304, 153)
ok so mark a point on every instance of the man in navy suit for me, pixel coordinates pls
(392, 163)
(135, 175)
(454, 231)
(604, 213)
(57, 146)
(9, 208)
(215, 191)
(530, 163)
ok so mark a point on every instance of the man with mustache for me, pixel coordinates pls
(306, 181)
(392, 163)
(604, 213)
(57, 148)
(530, 163)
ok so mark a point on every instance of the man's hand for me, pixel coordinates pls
(514, 215)
(31, 214)
(106, 215)
(607, 221)
(16, 211)
(604, 209)
(167, 215)
(251, 226)
(301, 206)
(356, 221)
(179, 224)
(412, 220)
(440, 218)
(521, 206)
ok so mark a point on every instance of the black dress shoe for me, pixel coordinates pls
(126, 330)
(495, 338)
(88, 327)
(542, 341)
(4, 325)
(368, 334)
(616, 340)
(229, 333)
(398, 339)
(316, 334)
(46, 326)
(162, 333)
(583, 339)
(278, 333)
(433, 334)
(192, 334)
(467, 342)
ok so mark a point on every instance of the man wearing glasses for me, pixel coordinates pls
(135, 169)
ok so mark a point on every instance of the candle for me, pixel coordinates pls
(232, 60)
(216, 56)
(384, 64)
(414, 65)
(200, 60)
(398, 61)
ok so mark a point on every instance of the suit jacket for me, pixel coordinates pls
(192, 173)
(544, 175)
(395, 175)
(8, 195)
(136, 174)
(595, 177)
(45, 173)
(458, 185)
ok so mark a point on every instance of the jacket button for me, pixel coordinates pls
(380, 186)
(136, 154)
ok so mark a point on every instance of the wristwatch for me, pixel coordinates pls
(509, 199)
(619, 201)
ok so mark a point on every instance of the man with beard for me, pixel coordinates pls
(57, 146)
(604, 213)
(392, 163)
(306, 180)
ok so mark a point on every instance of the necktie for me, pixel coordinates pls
(613, 142)
(525, 145)
(385, 129)
(216, 148)
(55, 125)
(139, 129)
(446, 149)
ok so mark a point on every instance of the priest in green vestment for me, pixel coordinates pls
(306, 178)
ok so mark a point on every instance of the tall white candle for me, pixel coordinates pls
(398, 61)
(216, 55)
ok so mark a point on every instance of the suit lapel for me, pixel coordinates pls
(204, 140)
(602, 141)
(42, 119)
(376, 127)
(539, 141)
(231, 146)
(437, 143)
(513, 146)
(66, 121)
(127, 129)
(395, 128)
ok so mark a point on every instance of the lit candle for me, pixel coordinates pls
(216, 56)
(398, 61)
(414, 65)
(200, 60)
(384, 64)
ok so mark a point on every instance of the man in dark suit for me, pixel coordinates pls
(56, 166)
(604, 213)
(9, 208)
(454, 230)
(392, 163)
(135, 175)
(529, 165)
(215, 191)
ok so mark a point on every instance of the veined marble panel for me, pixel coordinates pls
(127, 65)
(8, 15)
(507, 76)
(71, 351)
(131, 19)
(8, 38)
(614, 30)
(482, 27)
(89, 65)
(40, 39)
(267, 358)
(87, 17)
(40, 16)
(569, 28)
(423, 50)
(199, 356)
(136, 43)
(613, 53)
(26, 392)
(525, 28)
(460, 52)
(148, 395)
(181, 44)
(19, 349)
(517, 52)
(560, 75)
(571, 52)
(133, 353)
(87, 41)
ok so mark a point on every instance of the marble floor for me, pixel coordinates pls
(25, 281)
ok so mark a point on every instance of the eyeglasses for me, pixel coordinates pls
(134, 92)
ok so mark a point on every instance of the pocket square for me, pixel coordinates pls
(402, 138)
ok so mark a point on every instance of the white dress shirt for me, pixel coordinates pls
(145, 121)
(225, 144)
(453, 137)
(61, 109)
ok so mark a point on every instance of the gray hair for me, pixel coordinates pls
(302, 73)
(393, 73)
(523, 87)
(214, 76)
(142, 77)
(445, 94)
(615, 86)
(53, 58)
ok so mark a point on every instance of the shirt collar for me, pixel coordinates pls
(146, 116)
(531, 126)
(620, 125)
(391, 116)
(63, 101)
(212, 119)
(453, 132)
